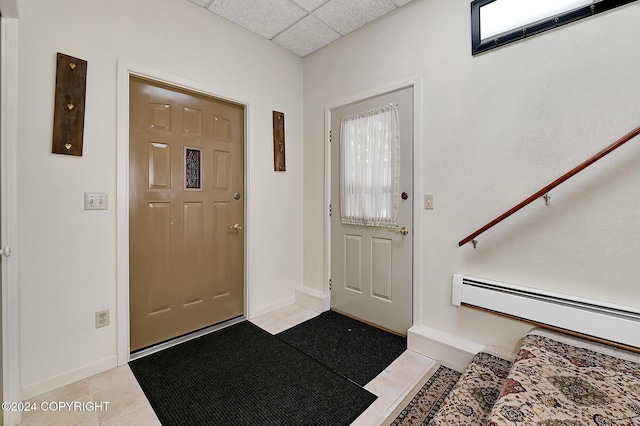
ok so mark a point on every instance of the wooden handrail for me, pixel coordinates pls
(615, 145)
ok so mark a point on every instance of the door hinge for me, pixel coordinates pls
(329, 283)
(330, 210)
(330, 138)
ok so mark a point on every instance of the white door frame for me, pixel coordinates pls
(125, 71)
(416, 84)
(11, 365)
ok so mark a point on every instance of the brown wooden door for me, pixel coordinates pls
(186, 207)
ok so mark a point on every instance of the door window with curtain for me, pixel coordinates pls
(370, 168)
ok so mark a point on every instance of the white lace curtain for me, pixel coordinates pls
(370, 168)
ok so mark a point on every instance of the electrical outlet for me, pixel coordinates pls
(102, 318)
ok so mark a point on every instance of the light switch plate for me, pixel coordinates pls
(428, 201)
(95, 201)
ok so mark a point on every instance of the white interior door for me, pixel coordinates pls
(371, 267)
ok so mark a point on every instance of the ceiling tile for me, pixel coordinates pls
(203, 3)
(346, 16)
(308, 35)
(400, 2)
(309, 5)
(301, 26)
(266, 18)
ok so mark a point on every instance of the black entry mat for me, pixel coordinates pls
(351, 348)
(242, 375)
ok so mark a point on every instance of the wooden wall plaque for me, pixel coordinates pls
(68, 115)
(279, 164)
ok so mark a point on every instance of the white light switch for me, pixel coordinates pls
(428, 201)
(95, 201)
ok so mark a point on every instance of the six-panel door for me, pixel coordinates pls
(186, 207)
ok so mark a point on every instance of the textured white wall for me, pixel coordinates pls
(496, 128)
(68, 256)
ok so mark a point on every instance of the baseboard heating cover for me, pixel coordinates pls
(601, 320)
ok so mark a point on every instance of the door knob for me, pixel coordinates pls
(402, 231)
(236, 227)
(6, 252)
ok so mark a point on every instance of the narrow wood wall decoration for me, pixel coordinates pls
(279, 164)
(68, 115)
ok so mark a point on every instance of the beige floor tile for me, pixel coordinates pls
(302, 316)
(272, 324)
(284, 318)
(389, 388)
(287, 311)
(122, 400)
(111, 378)
(72, 392)
(52, 413)
(370, 417)
(410, 366)
(69, 392)
(47, 408)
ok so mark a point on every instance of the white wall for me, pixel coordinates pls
(495, 129)
(68, 256)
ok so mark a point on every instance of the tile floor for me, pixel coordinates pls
(127, 404)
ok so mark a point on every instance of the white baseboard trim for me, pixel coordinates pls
(313, 299)
(271, 307)
(63, 379)
(449, 350)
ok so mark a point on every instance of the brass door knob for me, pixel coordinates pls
(236, 227)
(402, 231)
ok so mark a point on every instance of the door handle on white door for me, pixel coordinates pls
(402, 231)
(236, 227)
(6, 252)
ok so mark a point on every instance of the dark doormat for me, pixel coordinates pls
(242, 375)
(351, 348)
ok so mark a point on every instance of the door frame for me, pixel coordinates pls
(11, 353)
(125, 71)
(416, 84)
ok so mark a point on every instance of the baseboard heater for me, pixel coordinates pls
(591, 318)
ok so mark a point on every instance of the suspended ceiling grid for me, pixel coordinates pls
(301, 26)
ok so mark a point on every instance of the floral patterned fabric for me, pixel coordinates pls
(425, 404)
(472, 398)
(565, 381)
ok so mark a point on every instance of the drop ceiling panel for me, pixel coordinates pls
(309, 5)
(346, 16)
(301, 26)
(400, 2)
(308, 35)
(266, 18)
